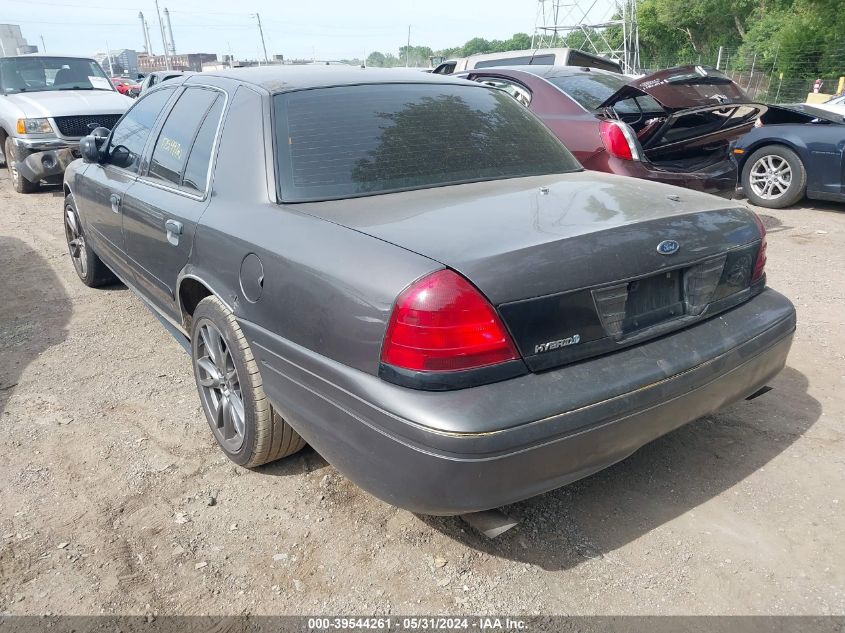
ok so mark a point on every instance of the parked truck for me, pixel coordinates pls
(47, 103)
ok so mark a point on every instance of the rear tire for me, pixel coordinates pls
(774, 177)
(231, 390)
(89, 267)
(21, 184)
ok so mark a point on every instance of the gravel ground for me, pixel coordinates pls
(115, 499)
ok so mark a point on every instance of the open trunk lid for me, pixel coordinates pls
(702, 107)
(577, 264)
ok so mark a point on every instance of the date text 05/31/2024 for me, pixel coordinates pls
(417, 624)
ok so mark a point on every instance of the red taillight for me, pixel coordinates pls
(443, 323)
(760, 264)
(619, 140)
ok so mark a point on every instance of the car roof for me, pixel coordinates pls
(58, 55)
(545, 71)
(286, 78)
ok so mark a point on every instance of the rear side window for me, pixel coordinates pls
(393, 137)
(130, 134)
(196, 171)
(527, 60)
(177, 135)
(592, 89)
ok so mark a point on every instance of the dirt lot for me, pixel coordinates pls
(108, 469)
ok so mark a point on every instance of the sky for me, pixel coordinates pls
(315, 29)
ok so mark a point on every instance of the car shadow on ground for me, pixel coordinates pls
(663, 480)
(34, 312)
(773, 224)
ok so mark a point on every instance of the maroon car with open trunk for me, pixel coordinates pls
(674, 126)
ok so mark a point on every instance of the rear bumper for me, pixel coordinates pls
(719, 179)
(479, 448)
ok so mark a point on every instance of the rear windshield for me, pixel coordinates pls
(592, 89)
(352, 141)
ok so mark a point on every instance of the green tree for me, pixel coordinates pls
(375, 59)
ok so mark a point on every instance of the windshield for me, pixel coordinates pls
(351, 141)
(39, 74)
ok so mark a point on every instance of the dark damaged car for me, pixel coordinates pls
(423, 284)
(674, 126)
(794, 151)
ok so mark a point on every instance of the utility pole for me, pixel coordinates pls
(163, 38)
(261, 31)
(43, 45)
(719, 58)
(408, 48)
(108, 57)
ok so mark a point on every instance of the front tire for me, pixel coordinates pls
(231, 391)
(21, 184)
(774, 177)
(89, 267)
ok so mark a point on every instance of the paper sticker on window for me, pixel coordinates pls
(174, 148)
(100, 83)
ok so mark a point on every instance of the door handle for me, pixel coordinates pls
(174, 227)
(115, 202)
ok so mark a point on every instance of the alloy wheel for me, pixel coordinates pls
(770, 177)
(75, 242)
(220, 386)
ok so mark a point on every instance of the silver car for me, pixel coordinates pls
(410, 273)
(47, 104)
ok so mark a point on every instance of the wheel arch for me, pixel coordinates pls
(769, 141)
(191, 290)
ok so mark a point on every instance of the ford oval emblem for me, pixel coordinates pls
(668, 247)
(93, 126)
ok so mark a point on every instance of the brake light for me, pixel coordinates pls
(760, 264)
(443, 323)
(619, 140)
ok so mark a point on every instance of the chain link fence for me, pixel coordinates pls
(758, 75)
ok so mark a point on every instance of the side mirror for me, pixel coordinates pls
(90, 150)
(100, 135)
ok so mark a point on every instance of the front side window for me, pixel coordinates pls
(130, 134)
(41, 74)
(351, 141)
(177, 134)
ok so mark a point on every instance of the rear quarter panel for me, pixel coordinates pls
(325, 287)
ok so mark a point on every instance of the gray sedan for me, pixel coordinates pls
(411, 274)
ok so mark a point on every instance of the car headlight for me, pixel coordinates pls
(34, 126)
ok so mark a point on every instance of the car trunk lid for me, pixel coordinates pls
(703, 107)
(570, 261)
